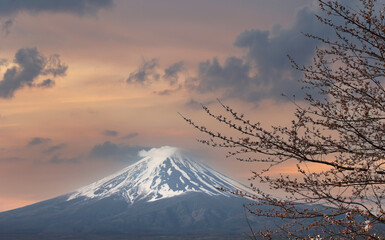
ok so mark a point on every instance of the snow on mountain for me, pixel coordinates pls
(162, 173)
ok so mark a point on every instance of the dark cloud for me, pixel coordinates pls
(146, 74)
(57, 159)
(38, 140)
(54, 66)
(55, 148)
(105, 150)
(110, 133)
(131, 135)
(30, 66)
(48, 83)
(268, 50)
(265, 71)
(111, 151)
(233, 76)
(6, 28)
(171, 74)
(149, 73)
(80, 7)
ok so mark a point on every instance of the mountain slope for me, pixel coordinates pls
(162, 173)
(164, 195)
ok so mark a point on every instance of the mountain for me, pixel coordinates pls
(165, 195)
(162, 173)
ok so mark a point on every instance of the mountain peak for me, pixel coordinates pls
(161, 173)
(156, 156)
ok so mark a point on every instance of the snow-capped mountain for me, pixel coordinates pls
(165, 195)
(162, 173)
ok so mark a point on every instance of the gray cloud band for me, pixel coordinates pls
(116, 152)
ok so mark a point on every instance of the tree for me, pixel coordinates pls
(336, 138)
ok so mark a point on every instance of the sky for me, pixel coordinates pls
(86, 84)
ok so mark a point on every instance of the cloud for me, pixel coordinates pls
(55, 148)
(171, 74)
(110, 133)
(57, 159)
(111, 151)
(48, 83)
(30, 65)
(146, 74)
(38, 140)
(54, 66)
(265, 71)
(80, 7)
(105, 150)
(149, 73)
(268, 50)
(6, 28)
(233, 76)
(131, 135)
